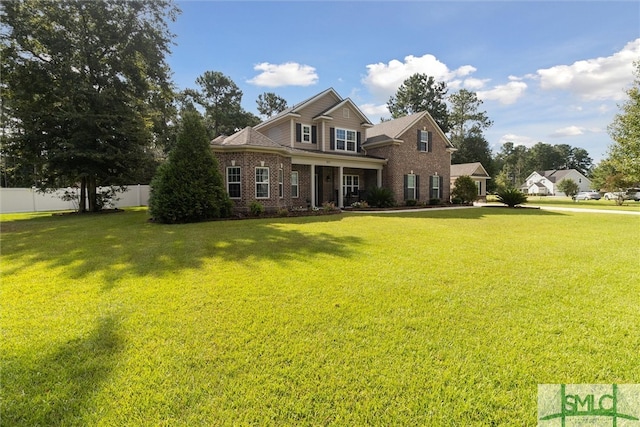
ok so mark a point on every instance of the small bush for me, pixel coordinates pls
(434, 201)
(328, 206)
(411, 202)
(511, 197)
(256, 208)
(283, 212)
(380, 197)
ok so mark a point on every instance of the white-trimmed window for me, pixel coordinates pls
(280, 183)
(346, 140)
(294, 185)
(306, 133)
(479, 187)
(350, 184)
(411, 187)
(424, 141)
(234, 185)
(436, 187)
(262, 183)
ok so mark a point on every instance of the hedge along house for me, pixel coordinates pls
(325, 150)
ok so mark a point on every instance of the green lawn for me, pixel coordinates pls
(430, 318)
(567, 202)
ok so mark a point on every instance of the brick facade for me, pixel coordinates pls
(391, 147)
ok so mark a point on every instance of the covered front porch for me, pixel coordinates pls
(341, 180)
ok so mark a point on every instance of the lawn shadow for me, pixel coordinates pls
(59, 388)
(111, 247)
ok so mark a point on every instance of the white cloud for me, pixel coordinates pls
(594, 79)
(574, 131)
(568, 131)
(505, 94)
(374, 110)
(383, 80)
(475, 84)
(518, 140)
(287, 74)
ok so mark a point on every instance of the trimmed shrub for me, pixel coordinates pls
(465, 189)
(256, 208)
(434, 202)
(511, 197)
(188, 186)
(380, 197)
(411, 202)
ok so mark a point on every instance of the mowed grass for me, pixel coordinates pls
(431, 318)
(567, 202)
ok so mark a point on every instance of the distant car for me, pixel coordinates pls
(614, 195)
(587, 195)
(633, 194)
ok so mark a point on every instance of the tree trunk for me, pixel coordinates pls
(91, 191)
(82, 202)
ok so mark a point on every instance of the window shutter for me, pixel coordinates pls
(429, 144)
(359, 142)
(298, 132)
(417, 187)
(314, 134)
(440, 189)
(332, 132)
(419, 140)
(406, 187)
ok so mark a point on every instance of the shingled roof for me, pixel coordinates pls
(247, 137)
(469, 169)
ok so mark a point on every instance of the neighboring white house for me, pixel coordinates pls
(545, 183)
(476, 172)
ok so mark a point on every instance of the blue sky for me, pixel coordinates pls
(546, 71)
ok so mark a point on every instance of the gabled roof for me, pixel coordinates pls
(294, 111)
(392, 130)
(247, 137)
(348, 101)
(469, 169)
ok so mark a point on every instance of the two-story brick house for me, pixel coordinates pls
(325, 149)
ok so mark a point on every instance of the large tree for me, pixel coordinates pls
(83, 85)
(465, 118)
(467, 124)
(624, 153)
(270, 104)
(421, 92)
(221, 98)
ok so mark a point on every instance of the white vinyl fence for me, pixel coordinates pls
(31, 200)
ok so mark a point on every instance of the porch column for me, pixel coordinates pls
(340, 188)
(313, 186)
(379, 177)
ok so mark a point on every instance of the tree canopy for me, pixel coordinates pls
(221, 99)
(624, 153)
(84, 83)
(516, 162)
(421, 92)
(270, 104)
